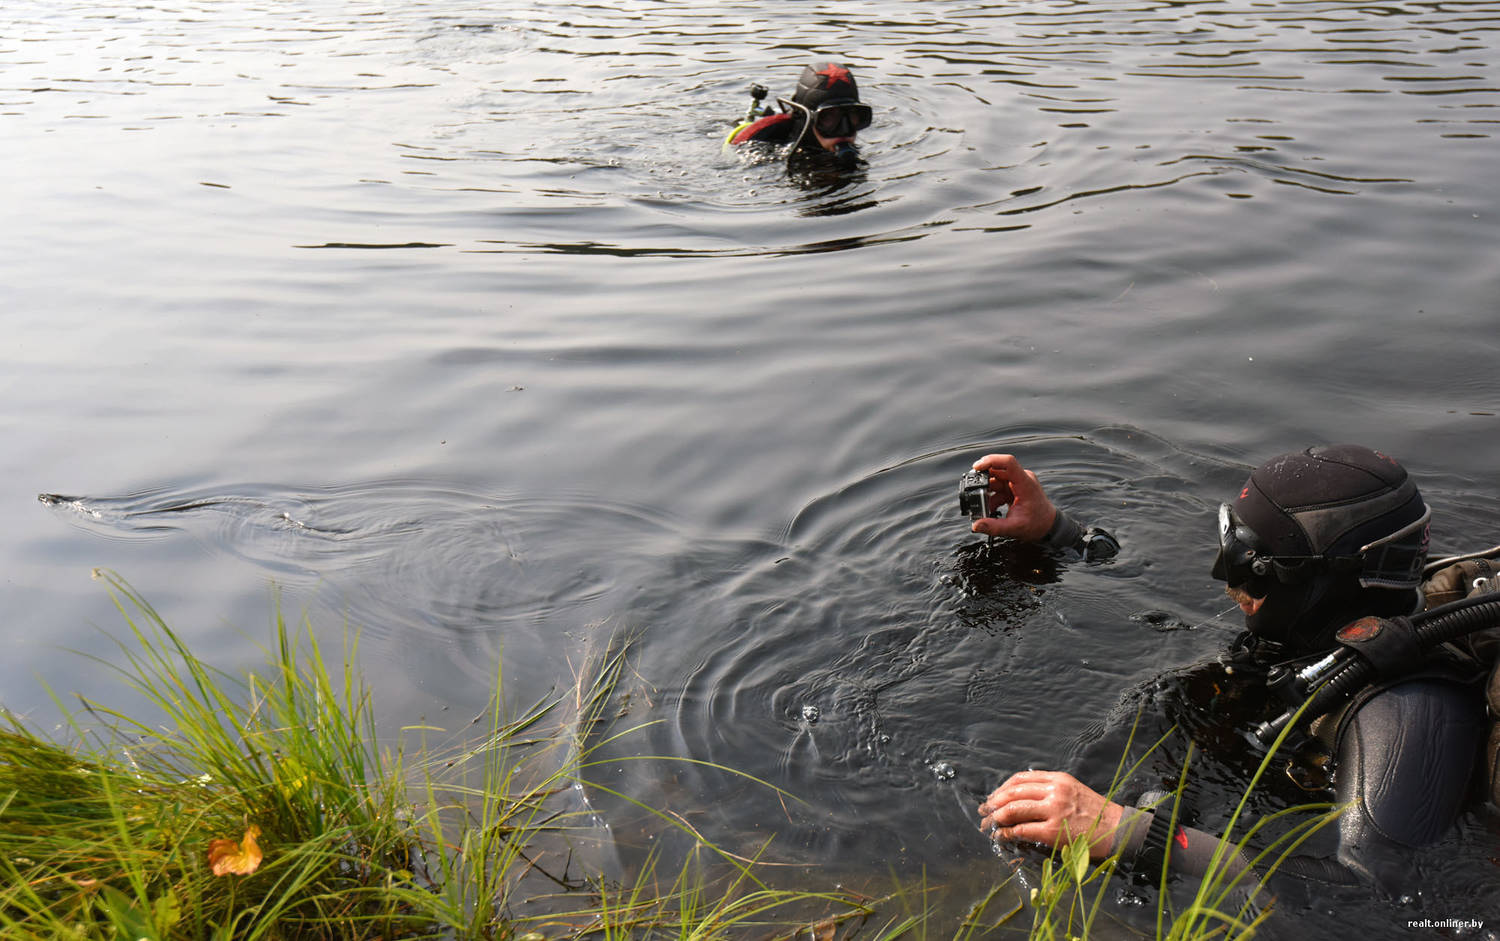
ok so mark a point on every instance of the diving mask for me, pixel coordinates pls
(842, 120)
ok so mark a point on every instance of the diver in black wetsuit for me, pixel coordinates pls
(823, 115)
(1314, 541)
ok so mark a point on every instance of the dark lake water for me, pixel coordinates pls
(453, 325)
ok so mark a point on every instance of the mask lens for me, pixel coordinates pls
(1236, 549)
(842, 120)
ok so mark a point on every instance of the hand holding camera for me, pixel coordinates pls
(1020, 510)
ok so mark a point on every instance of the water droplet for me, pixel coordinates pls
(810, 714)
(942, 770)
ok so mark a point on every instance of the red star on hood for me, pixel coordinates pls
(836, 75)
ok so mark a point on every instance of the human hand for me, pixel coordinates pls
(1030, 513)
(1051, 807)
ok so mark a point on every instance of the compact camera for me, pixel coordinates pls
(973, 493)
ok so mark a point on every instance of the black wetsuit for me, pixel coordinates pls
(1404, 752)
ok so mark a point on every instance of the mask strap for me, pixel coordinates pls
(1404, 572)
(1406, 530)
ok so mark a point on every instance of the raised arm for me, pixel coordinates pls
(1023, 512)
(1026, 513)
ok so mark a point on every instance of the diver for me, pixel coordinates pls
(823, 116)
(1319, 548)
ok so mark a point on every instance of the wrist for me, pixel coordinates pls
(1111, 823)
(1066, 535)
(1062, 532)
(1151, 853)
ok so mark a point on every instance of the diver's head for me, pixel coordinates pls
(1319, 537)
(833, 109)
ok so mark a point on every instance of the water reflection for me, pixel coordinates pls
(836, 190)
(811, 248)
(1002, 583)
(450, 577)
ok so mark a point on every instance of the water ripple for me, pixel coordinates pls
(877, 641)
(585, 89)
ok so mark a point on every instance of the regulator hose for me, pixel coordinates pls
(1351, 671)
(807, 121)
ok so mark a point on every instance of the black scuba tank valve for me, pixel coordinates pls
(1292, 685)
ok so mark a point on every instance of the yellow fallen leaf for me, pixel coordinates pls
(226, 857)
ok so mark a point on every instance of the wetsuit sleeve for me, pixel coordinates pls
(1093, 544)
(1190, 852)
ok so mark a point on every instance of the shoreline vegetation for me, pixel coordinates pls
(266, 808)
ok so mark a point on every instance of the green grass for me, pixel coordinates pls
(1222, 903)
(108, 830)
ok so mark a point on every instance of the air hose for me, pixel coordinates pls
(1373, 649)
(807, 122)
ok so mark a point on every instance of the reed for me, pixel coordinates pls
(256, 809)
(1223, 904)
(263, 808)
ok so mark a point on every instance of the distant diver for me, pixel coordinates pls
(823, 116)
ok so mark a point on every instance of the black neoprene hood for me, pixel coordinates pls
(1331, 501)
(829, 83)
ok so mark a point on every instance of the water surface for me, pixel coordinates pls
(454, 325)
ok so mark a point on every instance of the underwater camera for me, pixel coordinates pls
(973, 491)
